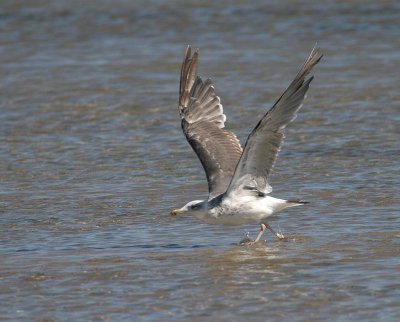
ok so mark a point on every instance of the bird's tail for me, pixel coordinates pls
(296, 202)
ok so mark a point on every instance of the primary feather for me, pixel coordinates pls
(203, 122)
(237, 179)
(264, 142)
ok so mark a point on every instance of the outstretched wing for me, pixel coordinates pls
(264, 142)
(203, 122)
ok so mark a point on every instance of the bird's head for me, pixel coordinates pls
(194, 205)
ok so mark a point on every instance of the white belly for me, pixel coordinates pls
(244, 210)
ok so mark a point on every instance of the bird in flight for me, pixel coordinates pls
(238, 188)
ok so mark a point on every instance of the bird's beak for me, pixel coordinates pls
(175, 212)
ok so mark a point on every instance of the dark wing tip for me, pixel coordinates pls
(188, 52)
(188, 74)
(309, 80)
(312, 60)
(297, 201)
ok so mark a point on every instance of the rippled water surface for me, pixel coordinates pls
(92, 159)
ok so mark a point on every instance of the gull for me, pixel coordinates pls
(238, 187)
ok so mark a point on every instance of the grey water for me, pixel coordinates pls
(92, 160)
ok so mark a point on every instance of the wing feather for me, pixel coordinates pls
(264, 142)
(203, 122)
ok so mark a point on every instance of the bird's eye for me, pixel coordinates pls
(194, 207)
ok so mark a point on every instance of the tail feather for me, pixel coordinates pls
(296, 202)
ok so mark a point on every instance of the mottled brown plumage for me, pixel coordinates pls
(237, 179)
(219, 151)
(264, 142)
(203, 123)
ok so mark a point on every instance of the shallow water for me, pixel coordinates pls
(92, 160)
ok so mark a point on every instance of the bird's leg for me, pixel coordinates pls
(278, 235)
(262, 230)
(263, 227)
(247, 241)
